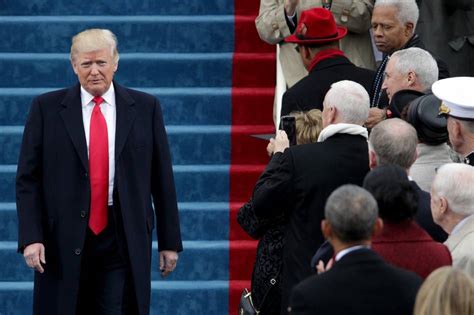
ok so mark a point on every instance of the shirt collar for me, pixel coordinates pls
(346, 251)
(108, 96)
(460, 224)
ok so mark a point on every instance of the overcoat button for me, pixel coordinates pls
(83, 214)
(77, 251)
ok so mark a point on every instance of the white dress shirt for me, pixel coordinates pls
(108, 109)
(346, 251)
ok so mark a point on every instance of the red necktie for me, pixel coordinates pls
(98, 168)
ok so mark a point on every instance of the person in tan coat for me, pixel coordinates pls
(277, 20)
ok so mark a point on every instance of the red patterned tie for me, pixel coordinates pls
(98, 168)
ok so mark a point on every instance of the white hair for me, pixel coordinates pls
(351, 101)
(420, 62)
(407, 10)
(455, 182)
(94, 39)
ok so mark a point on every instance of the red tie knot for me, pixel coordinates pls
(98, 100)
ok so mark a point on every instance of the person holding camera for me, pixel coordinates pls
(307, 174)
(266, 288)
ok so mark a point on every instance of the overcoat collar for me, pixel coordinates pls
(72, 117)
(454, 239)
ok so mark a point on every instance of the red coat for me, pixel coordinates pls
(408, 246)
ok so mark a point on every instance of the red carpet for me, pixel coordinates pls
(253, 83)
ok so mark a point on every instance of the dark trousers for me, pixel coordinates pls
(106, 286)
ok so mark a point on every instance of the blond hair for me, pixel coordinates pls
(308, 126)
(447, 291)
(94, 39)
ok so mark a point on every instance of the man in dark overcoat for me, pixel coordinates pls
(93, 158)
(307, 174)
(317, 36)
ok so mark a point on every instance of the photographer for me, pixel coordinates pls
(266, 289)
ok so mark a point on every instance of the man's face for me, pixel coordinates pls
(389, 33)
(394, 81)
(95, 70)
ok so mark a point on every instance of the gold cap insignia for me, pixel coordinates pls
(443, 109)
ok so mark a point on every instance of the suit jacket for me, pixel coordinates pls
(53, 191)
(360, 283)
(355, 15)
(309, 92)
(408, 246)
(461, 245)
(306, 176)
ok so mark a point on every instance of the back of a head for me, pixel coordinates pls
(394, 141)
(92, 40)
(418, 61)
(308, 126)
(351, 212)
(351, 101)
(407, 10)
(455, 182)
(396, 198)
(446, 291)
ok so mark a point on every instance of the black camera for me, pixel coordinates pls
(288, 124)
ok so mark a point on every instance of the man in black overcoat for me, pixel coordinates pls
(93, 158)
(308, 173)
(360, 282)
(317, 36)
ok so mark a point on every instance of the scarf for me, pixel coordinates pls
(350, 129)
(324, 54)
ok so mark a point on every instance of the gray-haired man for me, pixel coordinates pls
(351, 220)
(452, 204)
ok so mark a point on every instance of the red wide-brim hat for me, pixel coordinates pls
(316, 26)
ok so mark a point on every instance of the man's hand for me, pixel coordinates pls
(168, 260)
(280, 143)
(376, 115)
(290, 6)
(35, 255)
(320, 268)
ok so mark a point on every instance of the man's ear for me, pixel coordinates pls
(457, 130)
(326, 229)
(332, 114)
(443, 205)
(306, 52)
(378, 227)
(411, 78)
(409, 27)
(372, 160)
(73, 64)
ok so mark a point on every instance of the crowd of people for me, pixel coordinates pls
(372, 210)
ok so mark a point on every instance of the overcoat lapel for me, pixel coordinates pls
(125, 117)
(72, 117)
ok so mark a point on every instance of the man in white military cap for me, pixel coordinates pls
(457, 95)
